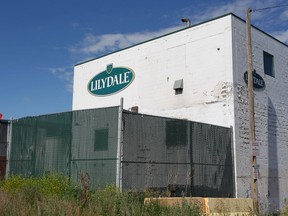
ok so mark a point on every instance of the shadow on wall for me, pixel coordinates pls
(273, 173)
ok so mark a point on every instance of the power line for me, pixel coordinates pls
(277, 6)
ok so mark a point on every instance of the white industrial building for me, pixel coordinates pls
(197, 73)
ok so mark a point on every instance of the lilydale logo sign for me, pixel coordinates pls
(258, 81)
(111, 81)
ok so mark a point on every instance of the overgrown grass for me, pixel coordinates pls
(55, 195)
(47, 185)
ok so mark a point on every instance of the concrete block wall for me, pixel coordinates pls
(271, 118)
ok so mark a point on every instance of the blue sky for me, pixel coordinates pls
(41, 41)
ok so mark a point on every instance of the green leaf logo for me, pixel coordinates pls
(109, 68)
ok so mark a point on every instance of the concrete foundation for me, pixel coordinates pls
(210, 206)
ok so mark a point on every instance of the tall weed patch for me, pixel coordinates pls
(56, 195)
(47, 185)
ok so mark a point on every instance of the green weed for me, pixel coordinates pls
(56, 195)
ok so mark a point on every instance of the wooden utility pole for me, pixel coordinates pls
(253, 161)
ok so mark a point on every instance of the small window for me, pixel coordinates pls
(101, 140)
(268, 60)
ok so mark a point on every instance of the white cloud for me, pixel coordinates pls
(284, 15)
(65, 75)
(282, 36)
(269, 20)
(94, 44)
(238, 7)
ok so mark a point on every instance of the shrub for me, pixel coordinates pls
(48, 185)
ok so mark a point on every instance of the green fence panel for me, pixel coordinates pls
(176, 156)
(71, 143)
(94, 145)
(41, 144)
